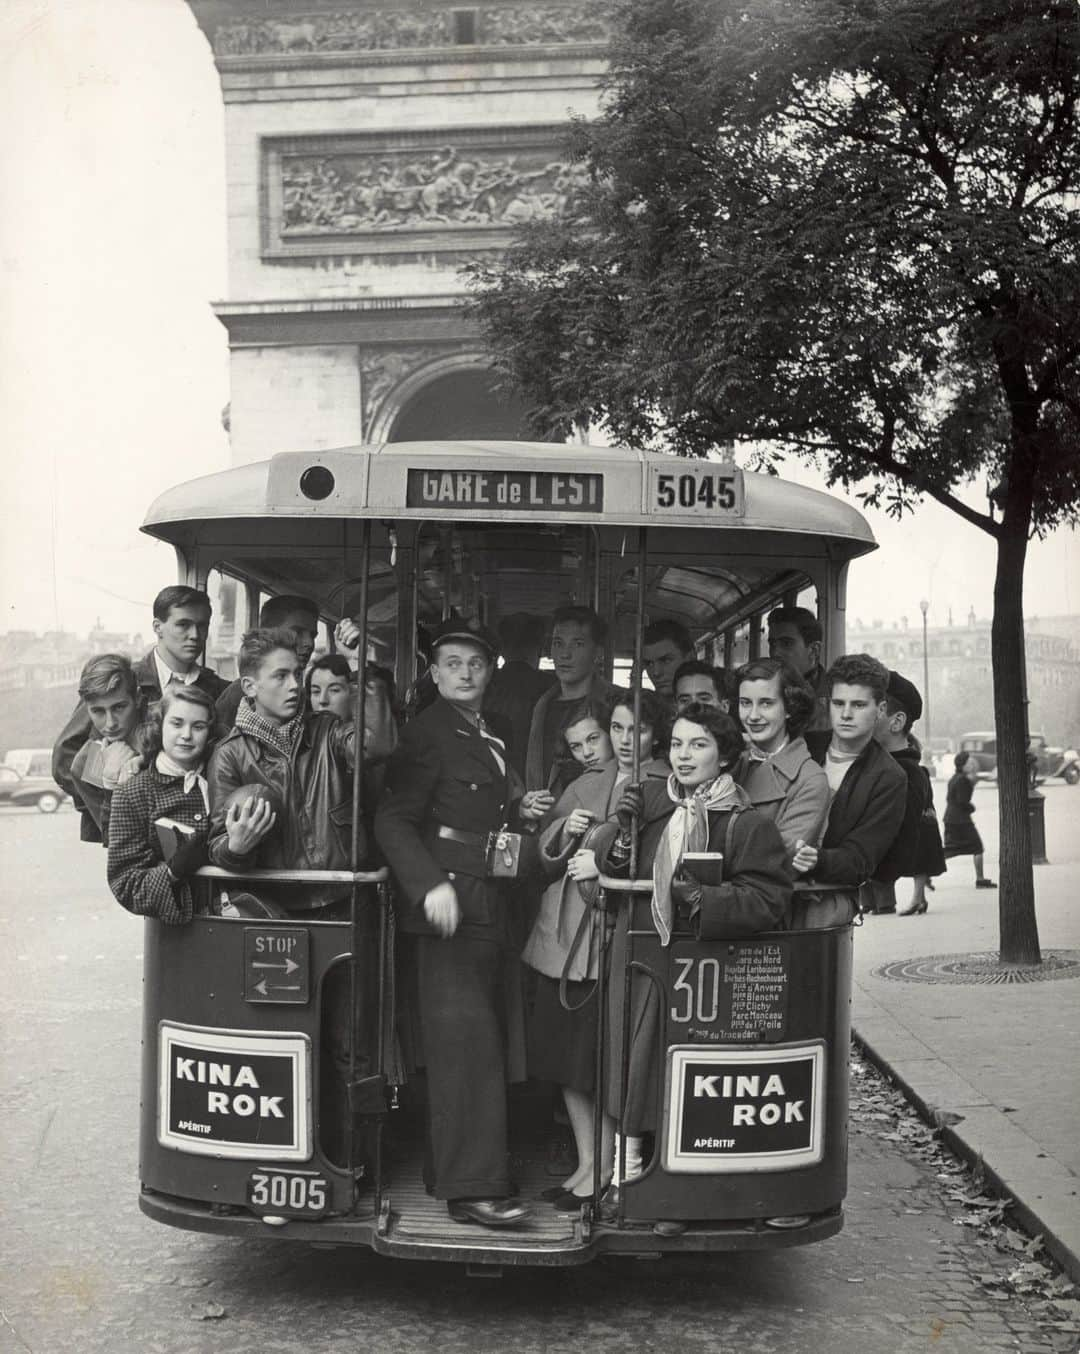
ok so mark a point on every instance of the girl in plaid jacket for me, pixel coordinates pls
(172, 785)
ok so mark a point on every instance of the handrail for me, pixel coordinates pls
(298, 876)
(625, 885)
(645, 886)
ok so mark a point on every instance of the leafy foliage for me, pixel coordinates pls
(841, 228)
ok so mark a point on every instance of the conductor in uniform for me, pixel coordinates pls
(448, 788)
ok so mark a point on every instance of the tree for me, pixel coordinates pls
(844, 230)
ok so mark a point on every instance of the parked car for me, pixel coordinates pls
(24, 791)
(30, 761)
(1043, 761)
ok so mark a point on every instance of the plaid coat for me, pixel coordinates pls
(138, 875)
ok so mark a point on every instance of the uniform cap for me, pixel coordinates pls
(906, 695)
(470, 631)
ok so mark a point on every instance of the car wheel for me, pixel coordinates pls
(48, 802)
(1071, 774)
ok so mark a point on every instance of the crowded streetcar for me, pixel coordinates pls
(499, 905)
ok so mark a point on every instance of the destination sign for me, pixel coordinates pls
(230, 1093)
(744, 1110)
(511, 490)
(729, 993)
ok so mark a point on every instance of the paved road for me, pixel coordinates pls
(81, 1268)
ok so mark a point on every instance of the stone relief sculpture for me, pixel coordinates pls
(355, 193)
(380, 372)
(387, 30)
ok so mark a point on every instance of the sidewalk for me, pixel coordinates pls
(1000, 1060)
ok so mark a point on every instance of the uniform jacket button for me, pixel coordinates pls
(472, 787)
(450, 874)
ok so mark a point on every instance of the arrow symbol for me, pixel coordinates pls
(264, 988)
(289, 966)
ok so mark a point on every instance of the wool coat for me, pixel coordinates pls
(137, 873)
(866, 814)
(791, 790)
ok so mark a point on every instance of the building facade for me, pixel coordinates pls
(372, 150)
(961, 677)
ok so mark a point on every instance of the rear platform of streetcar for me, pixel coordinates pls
(240, 1134)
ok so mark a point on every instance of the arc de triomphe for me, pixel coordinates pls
(371, 150)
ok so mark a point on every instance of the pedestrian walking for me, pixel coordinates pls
(961, 835)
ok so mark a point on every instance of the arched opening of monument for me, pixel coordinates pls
(463, 405)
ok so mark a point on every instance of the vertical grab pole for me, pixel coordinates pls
(601, 982)
(354, 846)
(639, 671)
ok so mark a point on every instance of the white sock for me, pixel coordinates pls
(633, 1158)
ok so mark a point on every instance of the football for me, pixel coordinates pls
(243, 793)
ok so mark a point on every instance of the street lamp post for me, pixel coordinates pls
(924, 607)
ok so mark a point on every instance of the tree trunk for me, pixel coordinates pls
(1019, 930)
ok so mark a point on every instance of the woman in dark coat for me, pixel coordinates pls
(698, 808)
(961, 835)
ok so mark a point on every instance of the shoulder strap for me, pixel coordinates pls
(729, 835)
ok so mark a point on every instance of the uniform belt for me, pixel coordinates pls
(451, 834)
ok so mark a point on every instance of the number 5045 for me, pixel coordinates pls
(689, 491)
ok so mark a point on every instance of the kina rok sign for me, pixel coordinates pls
(232, 1093)
(731, 1110)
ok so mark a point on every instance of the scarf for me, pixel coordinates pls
(687, 830)
(756, 755)
(165, 766)
(282, 738)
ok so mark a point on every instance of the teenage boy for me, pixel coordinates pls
(109, 690)
(181, 624)
(696, 683)
(665, 646)
(305, 760)
(449, 786)
(796, 637)
(577, 641)
(903, 707)
(298, 614)
(868, 789)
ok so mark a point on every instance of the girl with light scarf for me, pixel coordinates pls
(697, 809)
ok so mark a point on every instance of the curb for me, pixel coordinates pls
(1026, 1211)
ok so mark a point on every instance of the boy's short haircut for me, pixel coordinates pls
(859, 669)
(669, 629)
(258, 644)
(581, 615)
(697, 667)
(105, 674)
(178, 595)
(807, 624)
(336, 663)
(275, 609)
(795, 692)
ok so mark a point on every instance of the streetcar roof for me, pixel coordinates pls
(375, 481)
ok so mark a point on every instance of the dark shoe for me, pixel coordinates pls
(569, 1202)
(609, 1204)
(985, 884)
(551, 1194)
(488, 1212)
